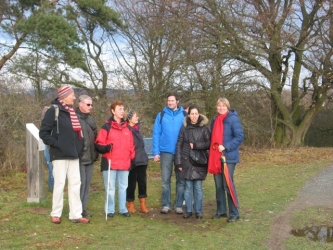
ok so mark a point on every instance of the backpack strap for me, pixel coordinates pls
(56, 108)
(56, 115)
(162, 114)
(108, 128)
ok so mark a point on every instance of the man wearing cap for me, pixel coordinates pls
(64, 136)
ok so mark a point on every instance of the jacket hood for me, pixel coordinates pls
(167, 110)
(115, 124)
(232, 112)
(202, 121)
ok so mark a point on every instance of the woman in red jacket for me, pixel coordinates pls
(115, 142)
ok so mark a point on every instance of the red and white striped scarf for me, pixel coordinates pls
(75, 121)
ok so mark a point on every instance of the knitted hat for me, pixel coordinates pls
(130, 114)
(64, 91)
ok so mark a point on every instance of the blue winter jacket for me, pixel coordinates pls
(233, 136)
(165, 132)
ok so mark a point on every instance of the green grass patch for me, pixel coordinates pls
(264, 189)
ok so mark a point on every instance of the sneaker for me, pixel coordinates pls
(165, 210)
(111, 215)
(179, 210)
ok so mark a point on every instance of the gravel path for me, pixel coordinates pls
(316, 192)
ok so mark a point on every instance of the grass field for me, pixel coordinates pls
(266, 181)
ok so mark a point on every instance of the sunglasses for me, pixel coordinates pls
(88, 104)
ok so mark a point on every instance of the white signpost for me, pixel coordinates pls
(35, 164)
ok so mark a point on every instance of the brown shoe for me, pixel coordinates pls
(56, 220)
(80, 220)
(130, 207)
(143, 208)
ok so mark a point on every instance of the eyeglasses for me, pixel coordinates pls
(88, 104)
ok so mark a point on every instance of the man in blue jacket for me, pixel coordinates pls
(165, 134)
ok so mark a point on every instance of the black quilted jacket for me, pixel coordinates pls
(199, 135)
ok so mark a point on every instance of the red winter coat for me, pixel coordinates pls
(115, 142)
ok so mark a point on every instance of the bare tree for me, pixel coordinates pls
(149, 51)
(279, 42)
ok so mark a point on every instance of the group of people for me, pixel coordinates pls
(74, 144)
(176, 135)
(124, 160)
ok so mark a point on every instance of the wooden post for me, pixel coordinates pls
(35, 164)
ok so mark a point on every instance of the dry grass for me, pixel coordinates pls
(285, 155)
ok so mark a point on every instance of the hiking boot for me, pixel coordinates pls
(218, 216)
(127, 214)
(198, 215)
(233, 219)
(187, 215)
(80, 220)
(143, 208)
(130, 207)
(85, 214)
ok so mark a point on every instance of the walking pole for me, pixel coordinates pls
(107, 191)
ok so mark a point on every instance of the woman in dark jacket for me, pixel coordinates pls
(227, 136)
(138, 172)
(194, 134)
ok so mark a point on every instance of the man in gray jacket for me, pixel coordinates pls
(88, 155)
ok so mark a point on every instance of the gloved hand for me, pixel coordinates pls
(102, 149)
(109, 147)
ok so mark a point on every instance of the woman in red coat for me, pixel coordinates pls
(115, 142)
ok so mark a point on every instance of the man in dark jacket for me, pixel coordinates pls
(64, 136)
(89, 154)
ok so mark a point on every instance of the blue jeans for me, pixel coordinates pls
(49, 166)
(180, 190)
(193, 187)
(167, 160)
(121, 177)
(222, 191)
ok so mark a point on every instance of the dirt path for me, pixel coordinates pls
(317, 192)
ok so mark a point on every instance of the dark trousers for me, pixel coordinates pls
(86, 174)
(137, 175)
